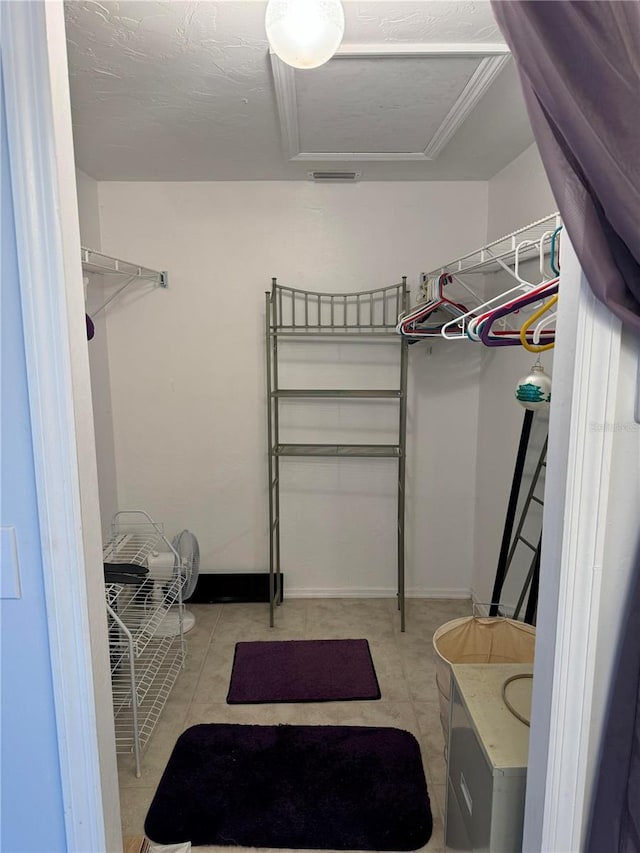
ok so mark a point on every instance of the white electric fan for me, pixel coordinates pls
(165, 567)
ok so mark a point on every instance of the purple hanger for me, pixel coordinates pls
(485, 329)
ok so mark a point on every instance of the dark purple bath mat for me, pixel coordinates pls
(302, 671)
(309, 787)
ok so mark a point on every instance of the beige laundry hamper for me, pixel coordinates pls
(478, 639)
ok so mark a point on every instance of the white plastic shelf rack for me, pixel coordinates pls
(145, 663)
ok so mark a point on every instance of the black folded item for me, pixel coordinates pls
(124, 573)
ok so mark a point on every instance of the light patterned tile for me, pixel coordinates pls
(432, 740)
(251, 622)
(184, 688)
(424, 616)
(398, 715)
(349, 619)
(388, 665)
(213, 685)
(438, 795)
(263, 715)
(405, 664)
(205, 613)
(436, 842)
(154, 757)
(422, 684)
(133, 809)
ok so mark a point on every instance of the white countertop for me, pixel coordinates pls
(504, 738)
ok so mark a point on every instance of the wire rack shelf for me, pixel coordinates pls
(138, 728)
(144, 661)
(97, 262)
(493, 256)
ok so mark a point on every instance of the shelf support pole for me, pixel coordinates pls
(402, 446)
(270, 452)
(277, 321)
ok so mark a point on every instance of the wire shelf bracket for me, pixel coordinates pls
(97, 263)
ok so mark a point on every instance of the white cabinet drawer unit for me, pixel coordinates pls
(487, 759)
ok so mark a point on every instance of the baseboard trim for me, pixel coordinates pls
(480, 606)
(253, 587)
(375, 592)
(232, 587)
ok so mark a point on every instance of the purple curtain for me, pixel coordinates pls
(579, 66)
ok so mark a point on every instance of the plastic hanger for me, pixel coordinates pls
(512, 340)
(554, 241)
(537, 332)
(413, 326)
(523, 285)
(513, 305)
(523, 331)
(407, 325)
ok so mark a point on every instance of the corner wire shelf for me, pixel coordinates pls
(502, 252)
(307, 315)
(505, 254)
(101, 264)
(144, 662)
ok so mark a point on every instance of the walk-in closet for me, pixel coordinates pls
(337, 363)
(346, 438)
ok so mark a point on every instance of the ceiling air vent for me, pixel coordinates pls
(328, 177)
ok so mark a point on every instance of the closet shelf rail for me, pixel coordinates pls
(97, 262)
(494, 256)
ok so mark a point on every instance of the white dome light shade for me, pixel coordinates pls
(304, 33)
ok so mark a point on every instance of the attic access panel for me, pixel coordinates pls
(378, 105)
(382, 102)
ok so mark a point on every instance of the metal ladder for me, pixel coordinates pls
(509, 546)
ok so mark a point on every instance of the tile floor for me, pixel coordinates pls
(404, 663)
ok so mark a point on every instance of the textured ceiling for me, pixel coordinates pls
(185, 91)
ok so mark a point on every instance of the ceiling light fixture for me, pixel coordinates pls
(304, 33)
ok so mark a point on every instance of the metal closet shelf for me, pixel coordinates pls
(367, 393)
(361, 450)
(494, 256)
(97, 262)
(100, 264)
(363, 316)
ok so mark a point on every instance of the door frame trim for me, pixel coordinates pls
(48, 245)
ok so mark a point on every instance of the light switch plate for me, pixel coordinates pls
(9, 564)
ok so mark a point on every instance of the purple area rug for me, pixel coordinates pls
(310, 787)
(302, 671)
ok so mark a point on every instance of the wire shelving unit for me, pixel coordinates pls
(306, 315)
(144, 662)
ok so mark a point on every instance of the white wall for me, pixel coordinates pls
(90, 238)
(517, 195)
(188, 377)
